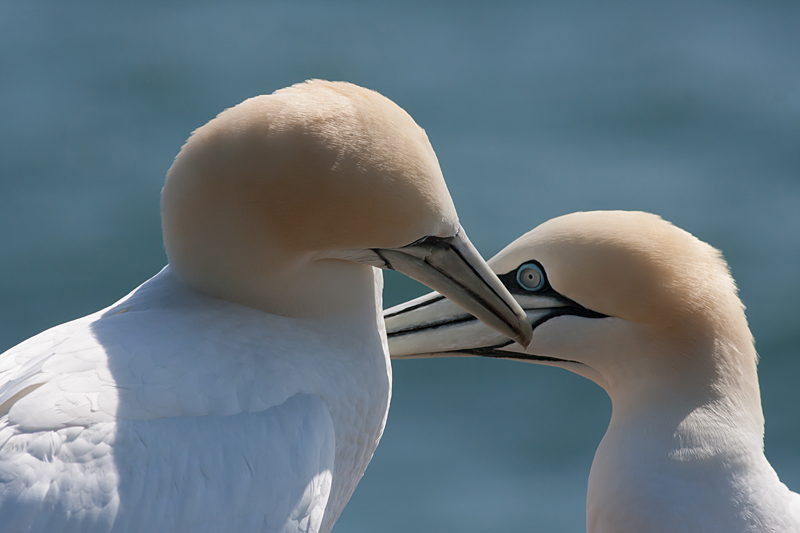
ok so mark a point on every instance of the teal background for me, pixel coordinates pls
(686, 109)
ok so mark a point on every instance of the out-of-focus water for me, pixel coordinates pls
(687, 109)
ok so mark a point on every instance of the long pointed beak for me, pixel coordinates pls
(431, 326)
(453, 267)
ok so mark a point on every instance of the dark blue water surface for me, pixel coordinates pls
(687, 109)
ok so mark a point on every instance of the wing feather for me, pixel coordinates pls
(139, 422)
(252, 472)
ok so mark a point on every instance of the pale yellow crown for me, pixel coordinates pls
(632, 265)
(314, 167)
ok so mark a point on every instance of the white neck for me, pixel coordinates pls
(687, 458)
(294, 285)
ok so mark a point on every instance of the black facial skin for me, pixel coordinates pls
(509, 279)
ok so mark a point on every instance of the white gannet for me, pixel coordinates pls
(245, 387)
(651, 314)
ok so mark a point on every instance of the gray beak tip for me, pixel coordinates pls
(525, 334)
(520, 332)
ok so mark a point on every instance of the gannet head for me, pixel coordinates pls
(623, 298)
(273, 203)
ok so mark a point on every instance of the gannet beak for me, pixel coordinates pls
(453, 267)
(431, 326)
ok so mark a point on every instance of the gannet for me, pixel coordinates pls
(651, 314)
(245, 387)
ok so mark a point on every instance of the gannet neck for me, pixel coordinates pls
(685, 443)
(686, 457)
(641, 369)
(684, 472)
(692, 416)
(259, 197)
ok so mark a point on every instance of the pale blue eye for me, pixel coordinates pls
(530, 277)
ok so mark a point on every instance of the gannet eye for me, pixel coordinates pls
(530, 277)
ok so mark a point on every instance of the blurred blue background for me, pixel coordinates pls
(687, 109)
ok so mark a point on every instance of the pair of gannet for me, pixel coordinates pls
(245, 387)
(651, 314)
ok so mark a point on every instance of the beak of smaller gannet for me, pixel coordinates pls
(453, 267)
(431, 326)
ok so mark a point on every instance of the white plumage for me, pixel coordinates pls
(189, 412)
(245, 387)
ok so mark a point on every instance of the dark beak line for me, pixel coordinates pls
(420, 305)
(432, 325)
(494, 353)
(554, 312)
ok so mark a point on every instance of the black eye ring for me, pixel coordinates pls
(530, 277)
